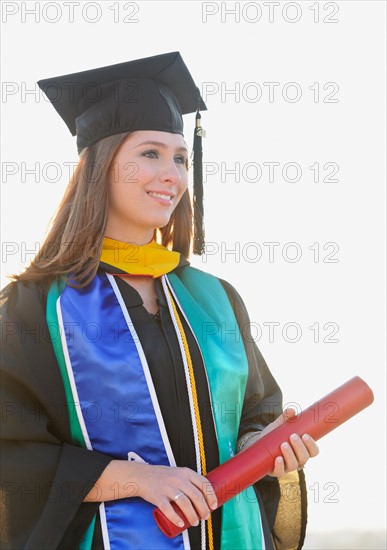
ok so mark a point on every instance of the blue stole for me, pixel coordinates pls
(121, 416)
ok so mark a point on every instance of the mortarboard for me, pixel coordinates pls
(144, 94)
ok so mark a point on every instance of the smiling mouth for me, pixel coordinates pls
(160, 196)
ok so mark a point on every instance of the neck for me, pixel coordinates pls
(133, 237)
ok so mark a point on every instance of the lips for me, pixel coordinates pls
(161, 195)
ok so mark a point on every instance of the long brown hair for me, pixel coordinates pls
(74, 241)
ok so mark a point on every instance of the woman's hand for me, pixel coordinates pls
(295, 452)
(162, 485)
(159, 485)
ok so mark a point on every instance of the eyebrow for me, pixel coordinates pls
(160, 144)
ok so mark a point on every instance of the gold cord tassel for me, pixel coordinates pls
(195, 406)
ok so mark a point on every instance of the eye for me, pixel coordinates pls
(150, 154)
(180, 159)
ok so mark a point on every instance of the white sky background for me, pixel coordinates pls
(337, 289)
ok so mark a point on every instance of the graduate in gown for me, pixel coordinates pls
(127, 374)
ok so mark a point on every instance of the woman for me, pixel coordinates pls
(122, 387)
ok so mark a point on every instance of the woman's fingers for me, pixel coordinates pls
(288, 414)
(295, 453)
(300, 450)
(279, 467)
(192, 493)
(290, 459)
(165, 507)
(190, 511)
(193, 505)
(198, 500)
(311, 445)
(206, 491)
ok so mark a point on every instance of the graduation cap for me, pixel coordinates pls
(145, 94)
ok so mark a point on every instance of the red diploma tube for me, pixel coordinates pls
(257, 461)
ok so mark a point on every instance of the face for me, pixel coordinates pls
(148, 178)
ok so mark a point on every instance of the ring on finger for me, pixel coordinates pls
(176, 497)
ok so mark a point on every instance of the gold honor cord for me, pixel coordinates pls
(195, 405)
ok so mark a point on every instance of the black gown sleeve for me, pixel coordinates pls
(44, 477)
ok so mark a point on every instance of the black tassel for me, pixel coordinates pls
(198, 234)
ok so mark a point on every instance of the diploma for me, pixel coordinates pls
(255, 462)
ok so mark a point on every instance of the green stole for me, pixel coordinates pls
(212, 320)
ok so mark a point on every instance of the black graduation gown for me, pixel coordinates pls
(44, 476)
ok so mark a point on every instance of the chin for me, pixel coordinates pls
(161, 222)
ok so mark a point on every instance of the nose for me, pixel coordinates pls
(170, 172)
